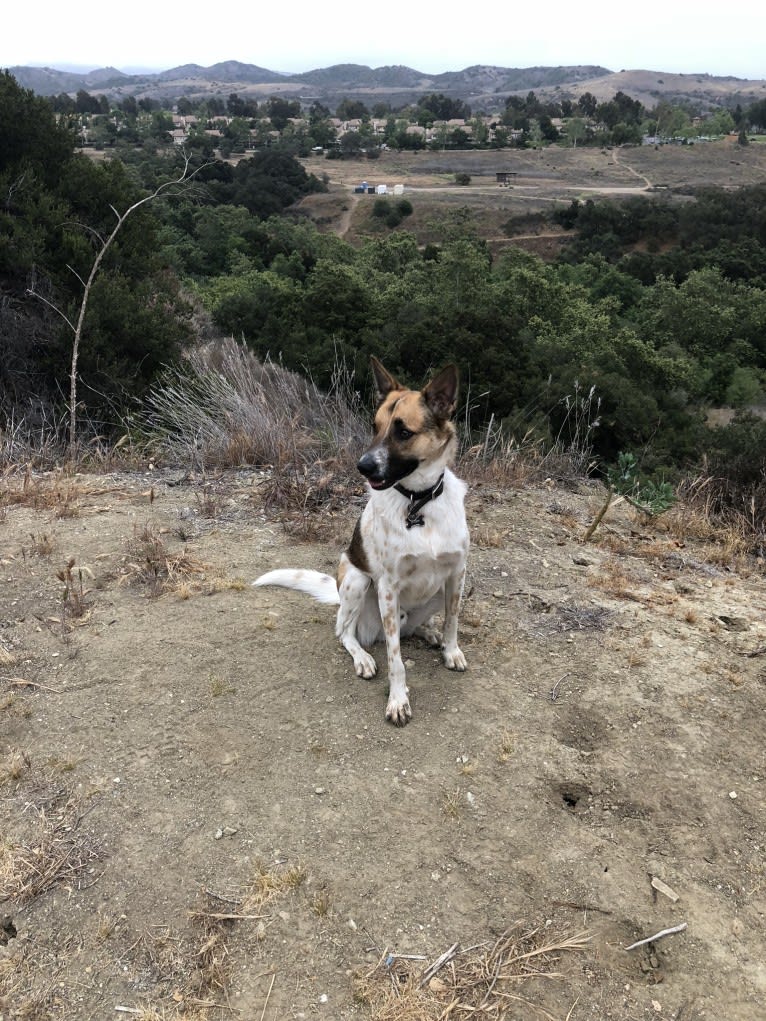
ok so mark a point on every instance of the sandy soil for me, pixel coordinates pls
(202, 804)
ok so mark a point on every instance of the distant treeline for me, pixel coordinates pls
(236, 123)
(658, 309)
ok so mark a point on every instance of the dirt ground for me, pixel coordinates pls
(200, 803)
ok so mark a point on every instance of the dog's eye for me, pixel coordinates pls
(404, 433)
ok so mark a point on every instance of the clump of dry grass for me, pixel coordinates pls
(53, 849)
(614, 579)
(75, 602)
(7, 658)
(152, 564)
(51, 491)
(227, 408)
(14, 766)
(272, 881)
(480, 983)
(706, 513)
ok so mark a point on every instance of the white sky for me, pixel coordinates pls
(663, 35)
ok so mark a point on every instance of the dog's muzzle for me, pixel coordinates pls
(373, 467)
(383, 468)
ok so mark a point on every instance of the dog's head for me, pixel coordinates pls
(413, 428)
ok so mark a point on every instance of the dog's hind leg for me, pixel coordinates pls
(354, 595)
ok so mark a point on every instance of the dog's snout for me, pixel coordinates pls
(368, 464)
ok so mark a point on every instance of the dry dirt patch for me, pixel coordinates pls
(239, 832)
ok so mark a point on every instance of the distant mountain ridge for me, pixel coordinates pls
(481, 86)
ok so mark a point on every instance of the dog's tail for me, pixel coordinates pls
(322, 587)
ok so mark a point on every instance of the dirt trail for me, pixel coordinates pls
(209, 749)
(636, 173)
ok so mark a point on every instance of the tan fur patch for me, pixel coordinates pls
(409, 408)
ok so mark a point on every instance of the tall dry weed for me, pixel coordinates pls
(225, 408)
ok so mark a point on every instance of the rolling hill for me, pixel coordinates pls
(481, 86)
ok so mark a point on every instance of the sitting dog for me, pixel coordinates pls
(407, 557)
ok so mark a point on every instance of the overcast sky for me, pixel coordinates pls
(662, 35)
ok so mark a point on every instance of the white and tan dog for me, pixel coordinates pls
(407, 558)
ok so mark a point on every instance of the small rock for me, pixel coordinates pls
(733, 795)
(218, 834)
(320, 790)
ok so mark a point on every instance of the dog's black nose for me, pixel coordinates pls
(368, 465)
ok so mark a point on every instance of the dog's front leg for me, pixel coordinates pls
(453, 593)
(398, 709)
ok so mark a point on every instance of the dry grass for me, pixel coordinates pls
(506, 746)
(226, 408)
(482, 982)
(151, 564)
(270, 882)
(614, 579)
(51, 491)
(701, 515)
(7, 658)
(54, 850)
(76, 605)
(452, 804)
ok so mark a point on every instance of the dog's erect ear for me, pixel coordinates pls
(384, 381)
(441, 393)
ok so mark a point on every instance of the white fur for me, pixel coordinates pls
(322, 587)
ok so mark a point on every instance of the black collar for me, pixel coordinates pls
(419, 500)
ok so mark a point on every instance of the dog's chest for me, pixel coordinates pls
(417, 560)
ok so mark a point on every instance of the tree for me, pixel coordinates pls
(352, 110)
(103, 244)
(279, 111)
(30, 137)
(576, 130)
(587, 104)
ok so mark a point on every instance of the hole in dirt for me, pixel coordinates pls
(7, 930)
(574, 796)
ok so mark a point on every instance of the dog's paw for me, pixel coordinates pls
(365, 665)
(398, 712)
(429, 635)
(454, 659)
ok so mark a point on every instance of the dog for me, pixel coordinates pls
(407, 558)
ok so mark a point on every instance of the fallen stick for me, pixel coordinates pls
(657, 935)
(268, 996)
(438, 964)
